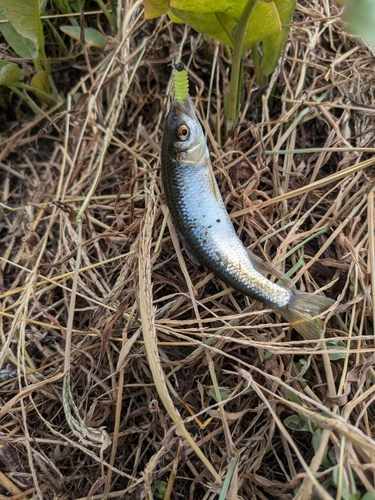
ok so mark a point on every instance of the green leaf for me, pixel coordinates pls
(273, 45)
(355, 496)
(160, 489)
(174, 18)
(113, 5)
(360, 15)
(63, 6)
(218, 19)
(224, 394)
(210, 24)
(155, 8)
(317, 436)
(297, 423)
(25, 18)
(264, 22)
(335, 345)
(232, 9)
(368, 496)
(40, 82)
(10, 73)
(293, 397)
(345, 488)
(93, 38)
(23, 47)
(76, 5)
(332, 456)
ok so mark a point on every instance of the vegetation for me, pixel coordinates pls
(97, 295)
(241, 25)
(23, 29)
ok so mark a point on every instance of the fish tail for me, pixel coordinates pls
(301, 310)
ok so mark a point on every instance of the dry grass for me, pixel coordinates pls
(125, 368)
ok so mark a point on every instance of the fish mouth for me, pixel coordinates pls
(179, 110)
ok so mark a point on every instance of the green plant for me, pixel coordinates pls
(240, 25)
(360, 16)
(22, 27)
(24, 33)
(92, 36)
(11, 76)
(301, 423)
(160, 489)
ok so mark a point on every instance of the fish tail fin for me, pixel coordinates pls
(301, 310)
(302, 307)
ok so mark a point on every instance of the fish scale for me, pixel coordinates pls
(203, 221)
(199, 213)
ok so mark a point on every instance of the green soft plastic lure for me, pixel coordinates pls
(181, 83)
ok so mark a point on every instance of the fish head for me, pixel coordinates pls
(185, 133)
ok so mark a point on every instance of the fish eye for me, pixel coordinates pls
(183, 132)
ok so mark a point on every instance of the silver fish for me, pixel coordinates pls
(199, 213)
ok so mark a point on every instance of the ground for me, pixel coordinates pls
(116, 346)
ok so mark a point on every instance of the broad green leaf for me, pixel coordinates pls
(264, 22)
(155, 8)
(23, 47)
(174, 18)
(368, 496)
(40, 82)
(273, 45)
(10, 73)
(360, 15)
(216, 27)
(355, 496)
(231, 8)
(220, 22)
(24, 15)
(93, 38)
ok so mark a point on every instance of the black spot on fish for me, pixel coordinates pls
(218, 220)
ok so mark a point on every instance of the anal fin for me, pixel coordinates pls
(188, 250)
(267, 269)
